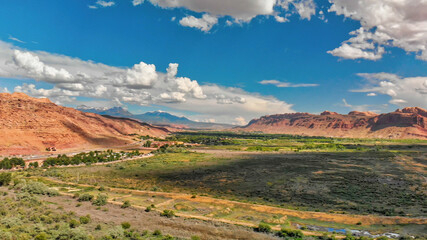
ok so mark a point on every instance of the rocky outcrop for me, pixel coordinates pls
(29, 125)
(405, 123)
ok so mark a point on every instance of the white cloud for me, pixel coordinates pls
(240, 121)
(397, 23)
(36, 69)
(281, 19)
(142, 84)
(15, 39)
(141, 75)
(205, 23)
(240, 10)
(287, 84)
(371, 94)
(101, 3)
(137, 2)
(105, 3)
(404, 92)
(4, 90)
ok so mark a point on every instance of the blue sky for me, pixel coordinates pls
(231, 51)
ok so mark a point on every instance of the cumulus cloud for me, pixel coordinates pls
(36, 69)
(205, 23)
(287, 84)
(371, 94)
(141, 75)
(142, 84)
(404, 92)
(239, 10)
(384, 23)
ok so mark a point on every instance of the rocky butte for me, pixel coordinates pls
(408, 123)
(30, 125)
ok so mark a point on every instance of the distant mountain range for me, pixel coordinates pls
(159, 118)
(409, 122)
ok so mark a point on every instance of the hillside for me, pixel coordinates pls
(159, 118)
(401, 124)
(32, 124)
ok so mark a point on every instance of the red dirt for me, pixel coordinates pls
(29, 125)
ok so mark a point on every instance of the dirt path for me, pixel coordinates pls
(328, 217)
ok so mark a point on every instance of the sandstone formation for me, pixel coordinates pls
(30, 125)
(401, 124)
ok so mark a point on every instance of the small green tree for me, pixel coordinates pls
(125, 225)
(100, 200)
(126, 204)
(85, 219)
(167, 213)
(5, 179)
(85, 197)
(263, 227)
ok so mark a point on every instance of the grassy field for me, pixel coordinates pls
(352, 182)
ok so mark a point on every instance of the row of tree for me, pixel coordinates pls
(89, 158)
(9, 163)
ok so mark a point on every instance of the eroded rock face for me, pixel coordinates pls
(29, 125)
(405, 123)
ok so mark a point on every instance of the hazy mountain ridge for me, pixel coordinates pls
(159, 118)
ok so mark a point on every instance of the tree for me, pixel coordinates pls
(100, 200)
(5, 179)
(263, 227)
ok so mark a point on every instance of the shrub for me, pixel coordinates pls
(36, 188)
(100, 200)
(98, 227)
(125, 225)
(73, 223)
(41, 236)
(85, 219)
(290, 233)
(5, 179)
(167, 213)
(148, 209)
(157, 233)
(126, 204)
(85, 197)
(195, 238)
(263, 227)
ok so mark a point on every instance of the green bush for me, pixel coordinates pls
(85, 219)
(85, 197)
(167, 213)
(148, 209)
(125, 225)
(290, 233)
(98, 227)
(36, 188)
(157, 233)
(125, 204)
(41, 236)
(5, 179)
(100, 200)
(263, 227)
(73, 223)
